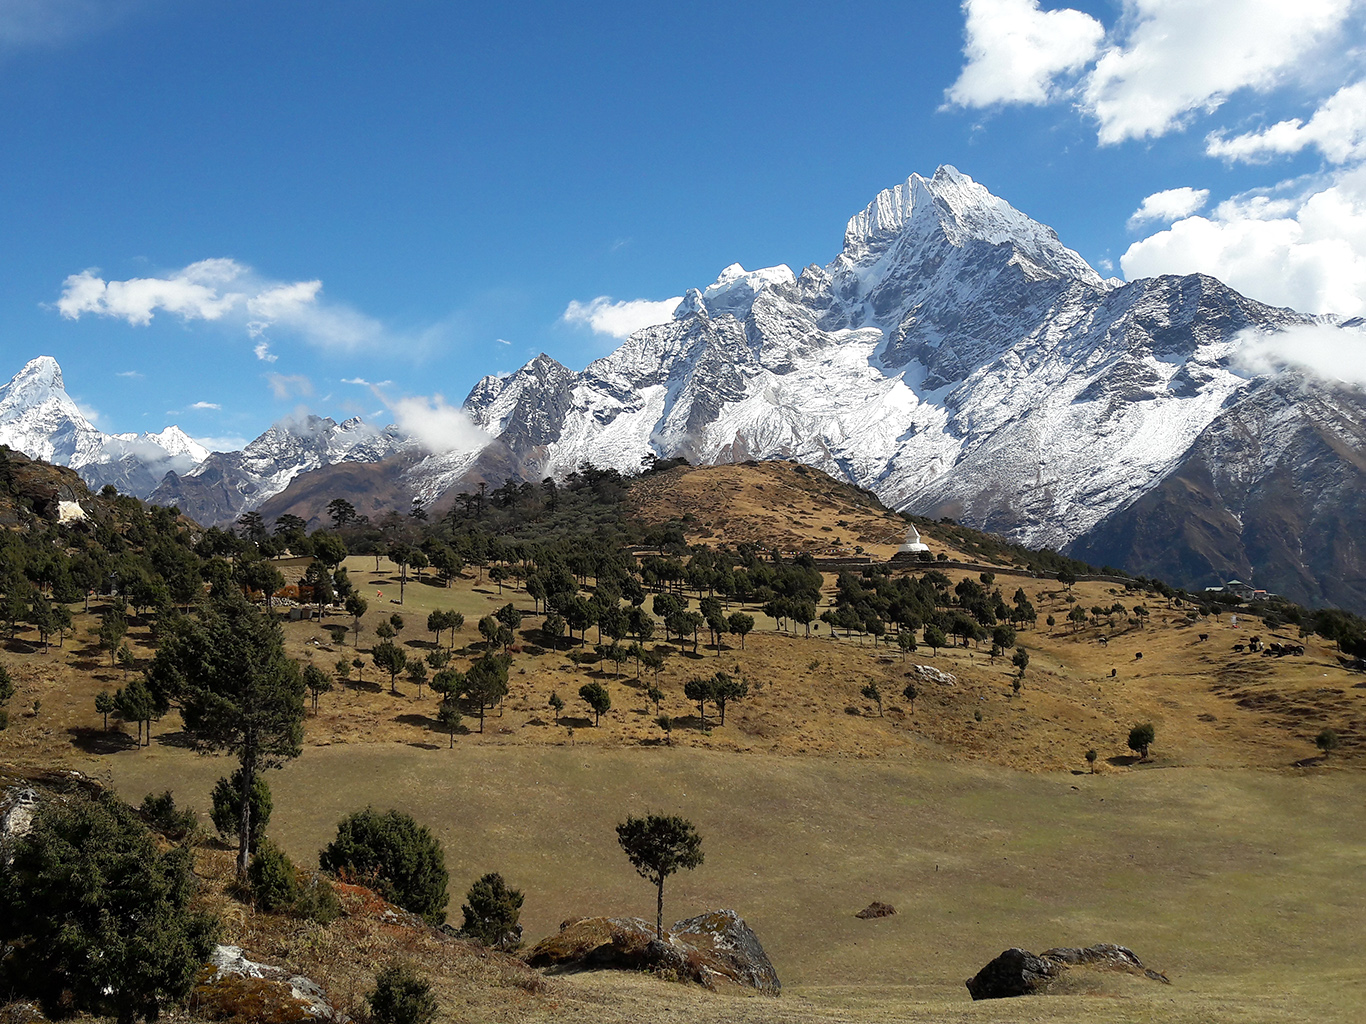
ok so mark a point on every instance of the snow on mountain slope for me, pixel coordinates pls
(955, 357)
(38, 418)
(226, 484)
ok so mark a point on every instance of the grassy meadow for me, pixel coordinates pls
(1233, 858)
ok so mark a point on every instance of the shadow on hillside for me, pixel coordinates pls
(1123, 760)
(364, 684)
(420, 721)
(574, 722)
(97, 741)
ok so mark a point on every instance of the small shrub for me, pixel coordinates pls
(273, 877)
(227, 807)
(1326, 741)
(161, 814)
(317, 901)
(492, 911)
(402, 996)
(4, 719)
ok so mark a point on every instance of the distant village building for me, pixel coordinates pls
(913, 544)
(1242, 590)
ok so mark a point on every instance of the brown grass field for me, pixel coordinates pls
(1233, 858)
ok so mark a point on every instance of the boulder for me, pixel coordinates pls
(233, 988)
(876, 909)
(1018, 972)
(933, 674)
(715, 949)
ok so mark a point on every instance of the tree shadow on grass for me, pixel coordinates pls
(178, 738)
(1123, 760)
(97, 741)
(574, 722)
(420, 721)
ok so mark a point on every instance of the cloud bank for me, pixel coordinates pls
(620, 319)
(1325, 351)
(1306, 251)
(225, 290)
(438, 426)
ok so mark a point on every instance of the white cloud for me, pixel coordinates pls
(195, 293)
(1169, 205)
(1183, 56)
(206, 405)
(129, 374)
(1320, 349)
(1015, 51)
(1166, 60)
(504, 341)
(1337, 129)
(226, 290)
(439, 427)
(620, 319)
(1306, 251)
(366, 383)
(284, 385)
(229, 443)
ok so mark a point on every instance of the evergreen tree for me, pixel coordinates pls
(491, 911)
(657, 846)
(238, 693)
(403, 859)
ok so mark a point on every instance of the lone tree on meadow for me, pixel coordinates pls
(658, 845)
(1326, 741)
(238, 693)
(1141, 737)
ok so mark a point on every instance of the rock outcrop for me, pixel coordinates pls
(715, 950)
(232, 987)
(1018, 972)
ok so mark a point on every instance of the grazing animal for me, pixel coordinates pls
(1104, 641)
(1239, 648)
(1114, 672)
(1137, 655)
(1204, 637)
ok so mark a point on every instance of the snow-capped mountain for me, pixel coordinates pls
(38, 418)
(959, 360)
(227, 484)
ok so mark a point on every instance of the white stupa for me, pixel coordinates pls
(913, 542)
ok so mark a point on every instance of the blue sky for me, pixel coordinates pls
(243, 205)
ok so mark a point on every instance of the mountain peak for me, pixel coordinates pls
(38, 373)
(952, 204)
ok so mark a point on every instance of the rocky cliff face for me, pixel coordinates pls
(959, 360)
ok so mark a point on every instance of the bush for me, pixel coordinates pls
(227, 807)
(161, 814)
(317, 901)
(274, 878)
(401, 996)
(492, 911)
(401, 858)
(4, 719)
(1141, 737)
(98, 918)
